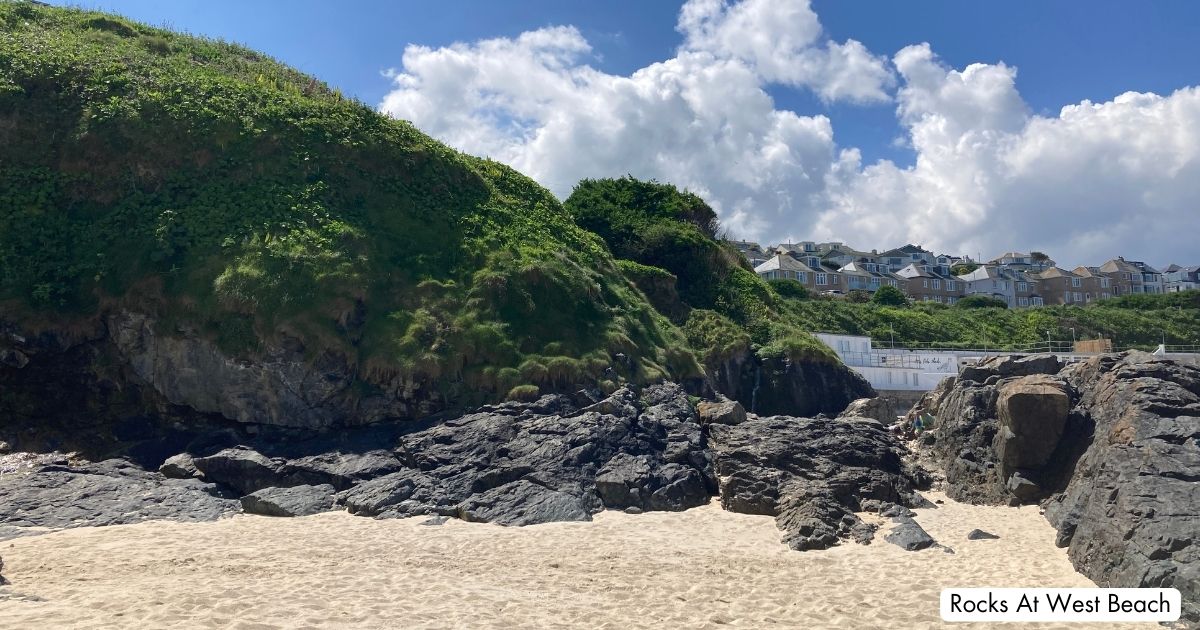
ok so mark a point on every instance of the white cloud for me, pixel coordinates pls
(1095, 181)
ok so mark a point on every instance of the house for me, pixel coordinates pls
(1152, 281)
(931, 283)
(785, 267)
(1059, 286)
(1096, 285)
(1125, 277)
(751, 251)
(991, 281)
(901, 257)
(1176, 278)
(1035, 261)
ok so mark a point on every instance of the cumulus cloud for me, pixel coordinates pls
(1095, 181)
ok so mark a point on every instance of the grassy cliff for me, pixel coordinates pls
(227, 194)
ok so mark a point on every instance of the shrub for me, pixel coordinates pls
(788, 288)
(888, 295)
(859, 296)
(523, 393)
(980, 301)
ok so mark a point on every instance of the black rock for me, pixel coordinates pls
(910, 536)
(979, 534)
(812, 475)
(243, 469)
(339, 469)
(292, 501)
(111, 492)
(524, 503)
(181, 466)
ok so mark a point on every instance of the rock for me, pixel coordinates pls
(896, 511)
(13, 358)
(293, 501)
(111, 492)
(979, 534)
(880, 409)
(524, 503)
(243, 469)
(1119, 467)
(3, 580)
(1033, 413)
(435, 520)
(633, 510)
(339, 469)
(1005, 366)
(723, 411)
(4, 448)
(811, 475)
(523, 463)
(910, 536)
(181, 466)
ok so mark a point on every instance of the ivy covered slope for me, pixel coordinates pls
(231, 197)
(667, 242)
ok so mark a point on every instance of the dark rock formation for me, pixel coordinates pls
(794, 388)
(112, 492)
(811, 475)
(517, 464)
(243, 469)
(181, 466)
(979, 534)
(1121, 475)
(293, 501)
(340, 469)
(908, 535)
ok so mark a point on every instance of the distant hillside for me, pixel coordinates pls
(232, 198)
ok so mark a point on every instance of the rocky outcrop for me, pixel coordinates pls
(812, 475)
(519, 464)
(799, 388)
(113, 492)
(293, 501)
(880, 409)
(243, 469)
(1110, 446)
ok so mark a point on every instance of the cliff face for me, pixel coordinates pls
(1110, 447)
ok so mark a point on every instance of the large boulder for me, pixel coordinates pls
(1033, 414)
(722, 411)
(293, 501)
(877, 408)
(243, 469)
(1008, 365)
(909, 536)
(181, 466)
(812, 475)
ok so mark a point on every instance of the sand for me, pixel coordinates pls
(704, 568)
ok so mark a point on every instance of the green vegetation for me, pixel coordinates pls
(962, 269)
(788, 288)
(1141, 321)
(888, 295)
(216, 188)
(725, 306)
(980, 301)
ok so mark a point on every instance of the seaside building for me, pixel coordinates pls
(1176, 278)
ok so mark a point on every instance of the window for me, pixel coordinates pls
(937, 284)
(949, 285)
(1107, 295)
(1078, 297)
(1075, 282)
(925, 283)
(822, 278)
(875, 282)
(925, 298)
(892, 282)
(813, 262)
(1022, 286)
(916, 257)
(937, 298)
(1067, 297)
(1023, 301)
(1037, 301)
(802, 277)
(1104, 283)
(1128, 276)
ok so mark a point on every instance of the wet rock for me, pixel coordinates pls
(292, 501)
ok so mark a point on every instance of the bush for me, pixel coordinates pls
(788, 288)
(888, 295)
(859, 296)
(980, 301)
(524, 393)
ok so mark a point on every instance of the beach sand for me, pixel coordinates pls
(704, 568)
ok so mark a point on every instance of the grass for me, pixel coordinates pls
(208, 184)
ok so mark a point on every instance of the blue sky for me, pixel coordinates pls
(999, 168)
(1065, 51)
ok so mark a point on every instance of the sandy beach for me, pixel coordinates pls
(703, 568)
